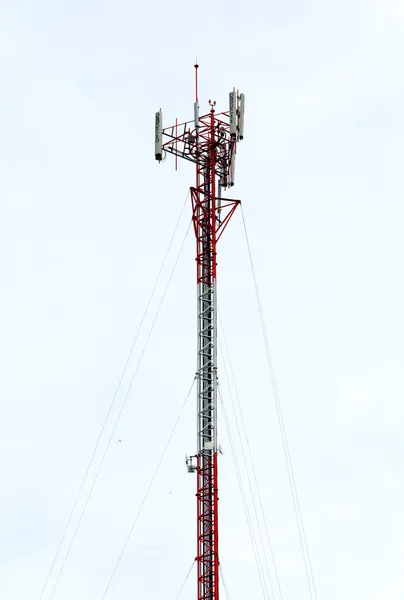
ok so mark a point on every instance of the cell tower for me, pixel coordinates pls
(209, 141)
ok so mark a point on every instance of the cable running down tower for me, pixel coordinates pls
(210, 142)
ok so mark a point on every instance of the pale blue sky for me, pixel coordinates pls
(86, 217)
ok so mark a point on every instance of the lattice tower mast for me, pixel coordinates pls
(210, 142)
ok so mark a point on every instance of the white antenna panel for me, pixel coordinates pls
(196, 114)
(232, 171)
(233, 113)
(158, 136)
(241, 117)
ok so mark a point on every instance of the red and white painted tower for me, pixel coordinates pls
(210, 141)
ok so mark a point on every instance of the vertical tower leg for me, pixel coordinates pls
(207, 493)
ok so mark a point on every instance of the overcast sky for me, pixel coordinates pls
(86, 217)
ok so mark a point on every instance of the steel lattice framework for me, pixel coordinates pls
(210, 142)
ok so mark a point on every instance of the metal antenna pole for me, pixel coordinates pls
(210, 142)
